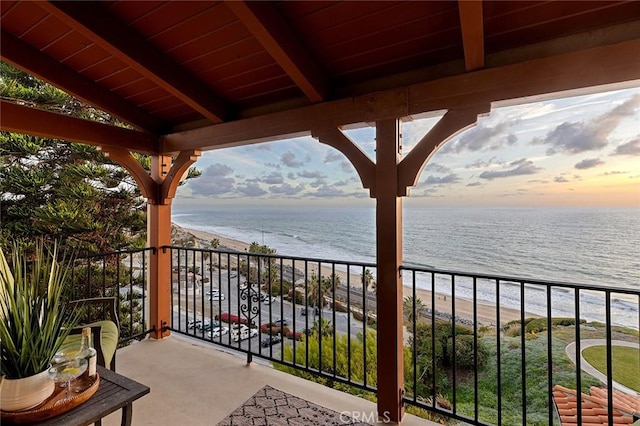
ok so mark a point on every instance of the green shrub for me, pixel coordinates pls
(442, 354)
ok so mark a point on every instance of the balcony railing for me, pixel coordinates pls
(497, 366)
(288, 310)
(480, 349)
(122, 274)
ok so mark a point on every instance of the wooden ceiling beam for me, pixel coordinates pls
(269, 28)
(472, 28)
(98, 24)
(25, 57)
(32, 121)
(545, 78)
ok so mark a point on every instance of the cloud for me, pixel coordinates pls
(431, 192)
(289, 159)
(346, 166)
(629, 148)
(474, 184)
(436, 180)
(273, 178)
(483, 164)
(319, 178)
(481, 138)
(251, 189)
(520, 167)
(437, 168)
(328, 191)
(216, 179)
(560, 179)
(286, 189)
(577, 137)
(589, 163)
(217, 169)
(312, 175)
(332, 156)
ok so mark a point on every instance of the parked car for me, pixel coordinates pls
(217, 332)
(202, 324)
(214, 294)
(268, 300)
(233, 318)
(208, 326)
(281, 322)
(270, 340)
(243, 332)
(194, 323)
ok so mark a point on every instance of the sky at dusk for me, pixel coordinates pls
(579, 151)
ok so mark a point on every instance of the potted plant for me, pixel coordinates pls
(33, 324)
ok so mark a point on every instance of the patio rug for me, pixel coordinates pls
(272, 407)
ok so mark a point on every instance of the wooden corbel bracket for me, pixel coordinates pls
(365, 168)
(452, 123)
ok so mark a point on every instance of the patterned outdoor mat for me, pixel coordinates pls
(271, 407)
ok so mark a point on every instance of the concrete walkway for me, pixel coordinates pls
(588, 368)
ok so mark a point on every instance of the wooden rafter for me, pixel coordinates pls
(275, 34)
(33, 61)
(95, 22)
(472, 28)
(32, 121)
(544, 78)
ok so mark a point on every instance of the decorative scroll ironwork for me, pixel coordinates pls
(250, 303)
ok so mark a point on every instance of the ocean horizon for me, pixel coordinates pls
(590, 246)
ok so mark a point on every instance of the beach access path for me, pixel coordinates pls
(590, 369)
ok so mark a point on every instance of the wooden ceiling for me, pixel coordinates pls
(188, 74)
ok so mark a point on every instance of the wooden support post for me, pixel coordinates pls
(159, 232)
(389, 259)
(159, 235)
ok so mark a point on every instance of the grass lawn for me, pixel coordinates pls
(625, 362)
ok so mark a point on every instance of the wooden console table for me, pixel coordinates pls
(115, 392)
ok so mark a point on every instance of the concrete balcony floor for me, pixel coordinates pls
(195, 383)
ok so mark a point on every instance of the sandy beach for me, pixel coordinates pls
(485, 313)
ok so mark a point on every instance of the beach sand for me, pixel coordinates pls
(485, 313)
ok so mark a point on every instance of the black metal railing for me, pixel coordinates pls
(479, 349)
(305, 315)
(491, 350)
(122, 274)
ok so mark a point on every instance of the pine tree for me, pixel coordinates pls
(69, 192)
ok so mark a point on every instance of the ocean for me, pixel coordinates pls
(591, 246)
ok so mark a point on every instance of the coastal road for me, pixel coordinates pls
(191, 307)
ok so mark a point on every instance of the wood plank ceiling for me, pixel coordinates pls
(169, 69)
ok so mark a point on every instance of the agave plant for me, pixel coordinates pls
(33, 317)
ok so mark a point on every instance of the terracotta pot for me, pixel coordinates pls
(28, 392)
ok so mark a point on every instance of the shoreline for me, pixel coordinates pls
(464, 309)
